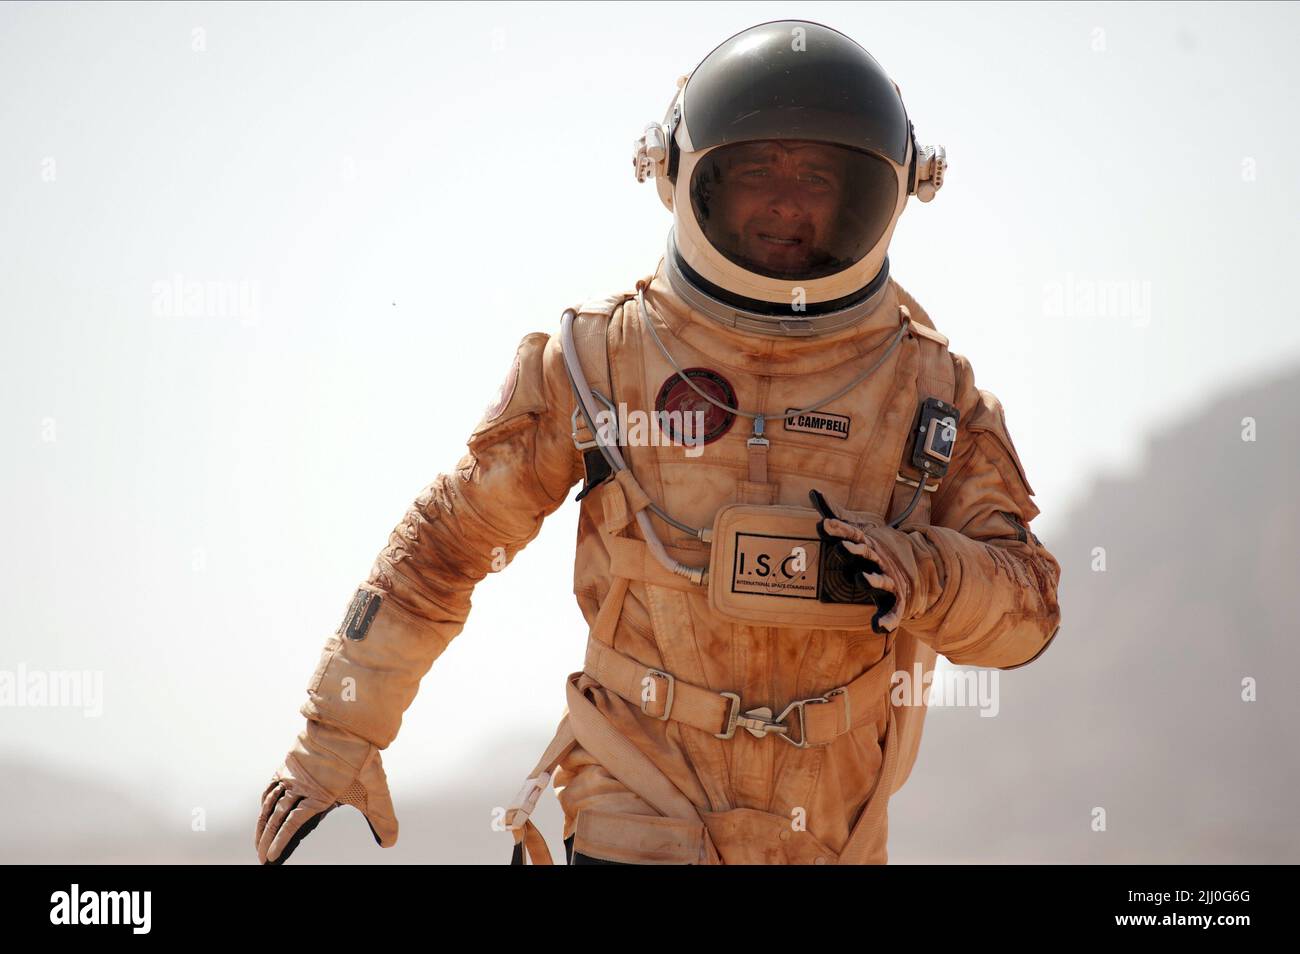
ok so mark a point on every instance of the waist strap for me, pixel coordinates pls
(584, 725)
(803, 723)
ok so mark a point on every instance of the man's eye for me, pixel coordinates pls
(815, 179)
(754, 173)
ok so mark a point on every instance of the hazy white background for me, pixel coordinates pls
(188, 501)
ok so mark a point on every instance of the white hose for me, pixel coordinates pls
(693, 573)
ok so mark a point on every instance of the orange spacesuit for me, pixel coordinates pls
(735, 702)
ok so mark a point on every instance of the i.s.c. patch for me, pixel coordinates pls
(361, 613)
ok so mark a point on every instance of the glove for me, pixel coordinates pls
(881, 549)
(327, 767)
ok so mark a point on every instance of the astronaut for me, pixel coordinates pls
(849, 505)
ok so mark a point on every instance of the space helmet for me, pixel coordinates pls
(786, 157)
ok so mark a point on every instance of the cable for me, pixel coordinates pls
(615, 458)
(920, 486)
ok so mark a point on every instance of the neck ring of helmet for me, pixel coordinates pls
(771, 318)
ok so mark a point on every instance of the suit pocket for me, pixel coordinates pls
(638, 839)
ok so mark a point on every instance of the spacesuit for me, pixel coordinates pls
(815, 498)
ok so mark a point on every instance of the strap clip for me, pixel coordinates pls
(526, 801)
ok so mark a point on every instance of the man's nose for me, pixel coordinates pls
(784, 201)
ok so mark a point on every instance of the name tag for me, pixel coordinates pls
(818, 422)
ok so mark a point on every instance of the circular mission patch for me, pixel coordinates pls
(675, 395)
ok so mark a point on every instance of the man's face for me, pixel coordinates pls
(780, 200)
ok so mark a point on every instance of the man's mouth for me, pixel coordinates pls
(778, 240)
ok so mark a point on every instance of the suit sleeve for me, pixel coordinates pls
(520, 465)
(985, 586)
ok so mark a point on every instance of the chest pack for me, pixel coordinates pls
(769, 564)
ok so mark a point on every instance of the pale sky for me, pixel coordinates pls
(402, 192)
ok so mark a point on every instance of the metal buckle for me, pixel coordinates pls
(733, 711)
(594, 426)
(803, 731)
(801, 704)
(668, 706)
(580, 445)
(759, 722)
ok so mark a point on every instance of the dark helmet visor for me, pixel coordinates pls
(793, 209)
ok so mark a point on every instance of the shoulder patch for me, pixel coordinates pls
(504, 393)
(360, 614)
(519, 398)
